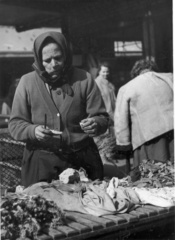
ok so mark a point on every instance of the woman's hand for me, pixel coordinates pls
(89, 126)
(42, 134)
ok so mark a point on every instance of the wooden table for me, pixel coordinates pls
(83, 226)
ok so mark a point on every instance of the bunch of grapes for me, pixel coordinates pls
(25, 217)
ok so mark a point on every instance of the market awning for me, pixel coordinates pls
(19, 44)
(79, 16)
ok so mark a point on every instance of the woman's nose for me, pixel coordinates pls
(54, 62)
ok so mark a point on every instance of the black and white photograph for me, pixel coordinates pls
(87, 120)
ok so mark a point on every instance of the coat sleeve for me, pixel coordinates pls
(20, 125)
(94, 104)
(122, 124)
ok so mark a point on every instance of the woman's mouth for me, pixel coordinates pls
(54, 74)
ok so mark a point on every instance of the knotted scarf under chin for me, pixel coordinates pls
(59, 83)
(66, 88)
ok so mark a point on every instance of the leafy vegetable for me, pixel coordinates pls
(24, 216)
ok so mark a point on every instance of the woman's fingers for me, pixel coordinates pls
(41, 133)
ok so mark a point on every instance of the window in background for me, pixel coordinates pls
(128, 48)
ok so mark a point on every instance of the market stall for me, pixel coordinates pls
(74, 207)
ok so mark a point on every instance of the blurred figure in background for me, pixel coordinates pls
(107, 89)
(106, 142)
(6, 103)
(143, 118)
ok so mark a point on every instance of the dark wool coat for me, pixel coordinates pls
(32, 101)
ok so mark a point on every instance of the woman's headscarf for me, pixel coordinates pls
(65, 47)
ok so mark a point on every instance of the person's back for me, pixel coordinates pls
(150, 101)
(144, 110)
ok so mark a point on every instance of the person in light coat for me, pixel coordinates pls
(143, 118)
(107, 89)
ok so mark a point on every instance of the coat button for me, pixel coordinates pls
(59, 91)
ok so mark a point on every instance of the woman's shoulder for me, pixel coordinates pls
(28, 76)
(81, 73)
(26, 80)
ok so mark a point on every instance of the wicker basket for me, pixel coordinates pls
(11, 153)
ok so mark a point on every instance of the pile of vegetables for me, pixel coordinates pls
(160, 174)
(151, 174)
(24, 216)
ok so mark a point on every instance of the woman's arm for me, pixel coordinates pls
(20, 125)
(95, 107)
(122, 120)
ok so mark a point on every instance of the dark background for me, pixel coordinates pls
(92, 26)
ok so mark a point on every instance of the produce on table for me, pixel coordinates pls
(71, 175)
(24, 216)
(151, 174)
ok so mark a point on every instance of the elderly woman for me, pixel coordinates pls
(144, 114)
(57, 96)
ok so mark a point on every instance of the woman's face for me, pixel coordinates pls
(52, 60)
(104, 72)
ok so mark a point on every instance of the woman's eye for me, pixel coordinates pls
(47, 60)
(57, 59)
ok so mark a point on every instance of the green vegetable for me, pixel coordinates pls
(23, 217)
